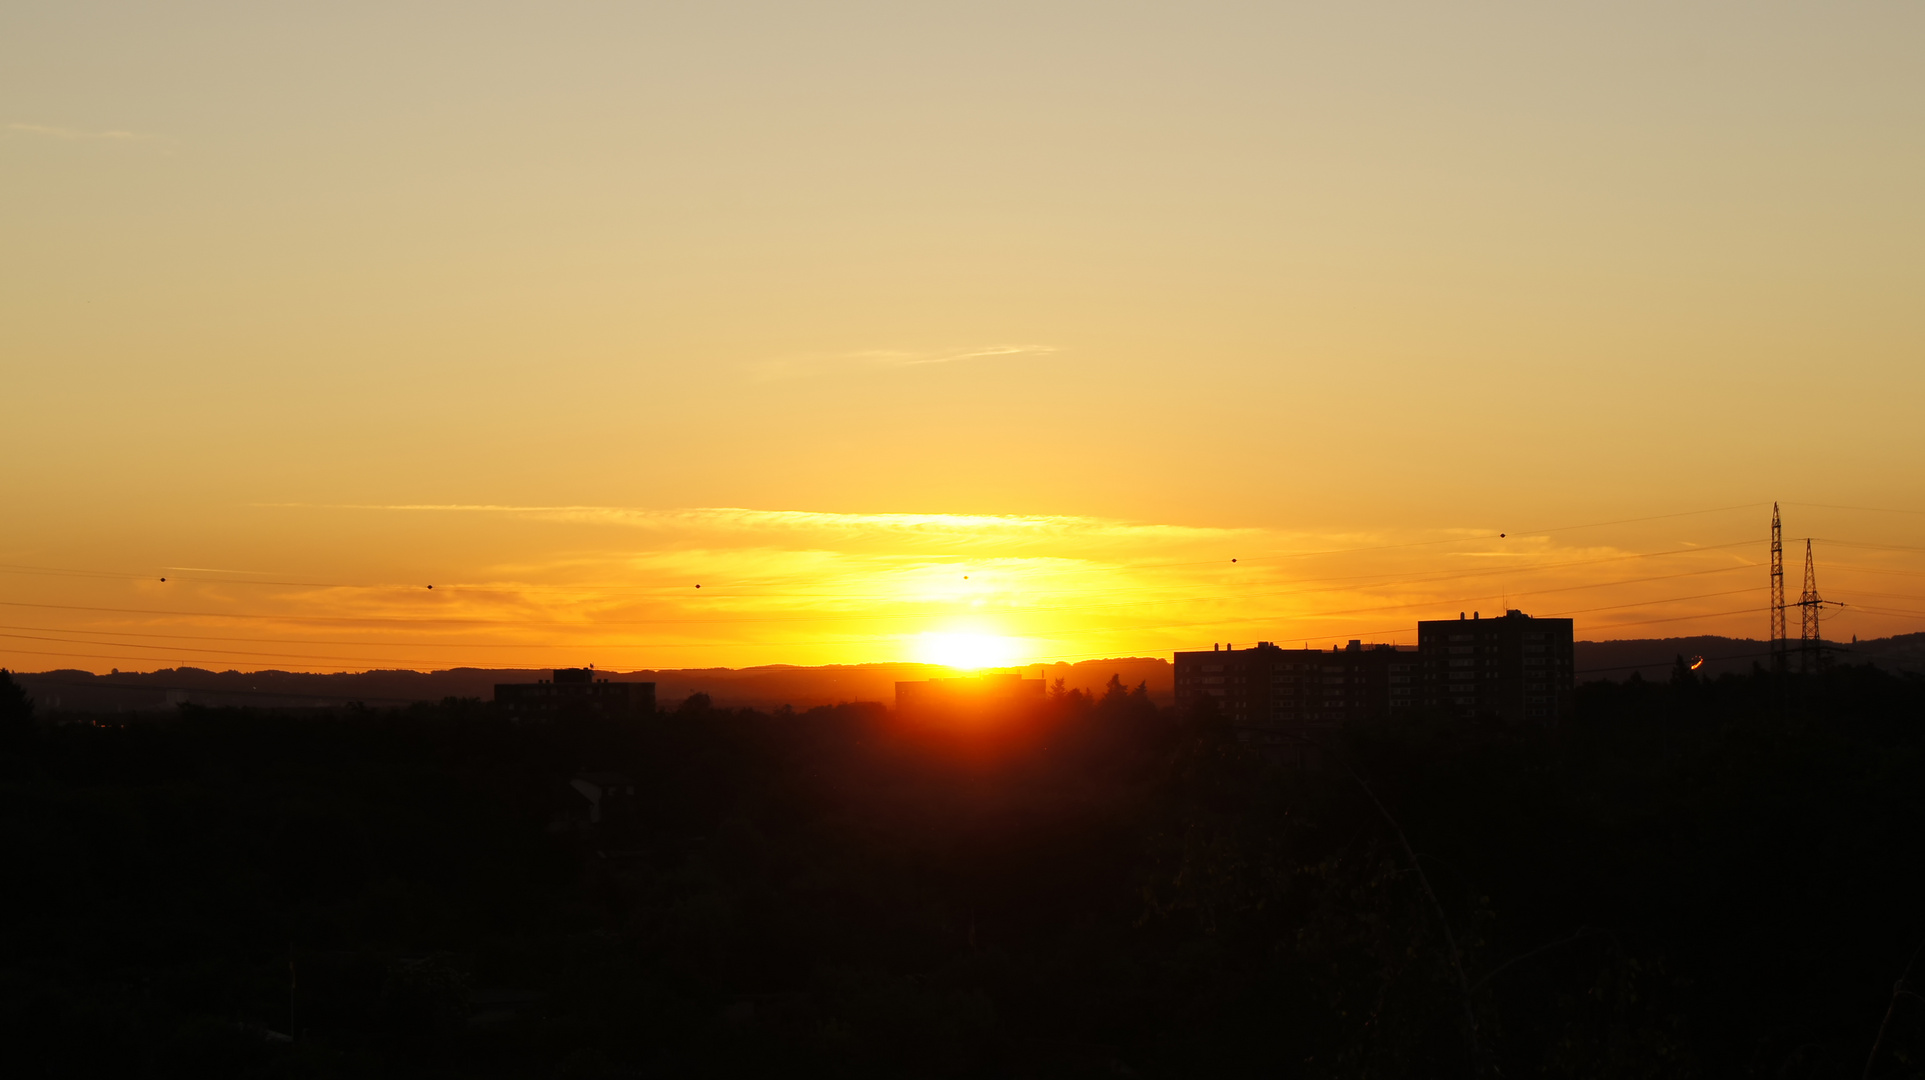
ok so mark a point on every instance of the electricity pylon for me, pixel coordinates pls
(1777, 592)
(1809, 603)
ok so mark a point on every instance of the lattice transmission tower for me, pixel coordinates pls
(1810, 642)
(1777, 592)
(1808, 609)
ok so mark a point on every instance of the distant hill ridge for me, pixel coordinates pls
(772, 685)
(764, 687)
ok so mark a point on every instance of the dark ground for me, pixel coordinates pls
(1694, 878)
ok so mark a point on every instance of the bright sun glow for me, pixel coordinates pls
(967, 650)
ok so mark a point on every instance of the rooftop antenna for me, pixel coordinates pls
(1777, 592)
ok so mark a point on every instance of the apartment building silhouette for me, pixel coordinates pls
(1515, 668)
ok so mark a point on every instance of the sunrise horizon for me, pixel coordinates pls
(740, 588)
(863, 539)
(982, 333)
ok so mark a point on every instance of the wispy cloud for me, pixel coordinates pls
(710, 520)
(697, 586)
(76, 135)
(827, 363)
(904, 359)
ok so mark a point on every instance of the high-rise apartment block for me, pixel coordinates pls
(1515, 668)
(1268, 684)
(575, 692)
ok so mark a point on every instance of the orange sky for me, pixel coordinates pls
(626, 589)
(334, 302)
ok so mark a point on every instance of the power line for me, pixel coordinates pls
(1874, 569)
(1681, 618)
(1653, 517)
(1648, 603)
(1886, 595)
(1866, 509)
(1709, 659)
(1888, 612)
(1875, 547)
(1519, 532)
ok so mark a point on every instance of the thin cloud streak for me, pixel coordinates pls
(977, 354)
(734, 519)
(718, 585)
(792, 367)
(75, 135)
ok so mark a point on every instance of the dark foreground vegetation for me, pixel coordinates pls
(1694, 878)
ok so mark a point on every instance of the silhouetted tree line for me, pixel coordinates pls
(1716, 878)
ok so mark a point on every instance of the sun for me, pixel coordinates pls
(967, 651)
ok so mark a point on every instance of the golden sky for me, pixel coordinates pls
(566, 309)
